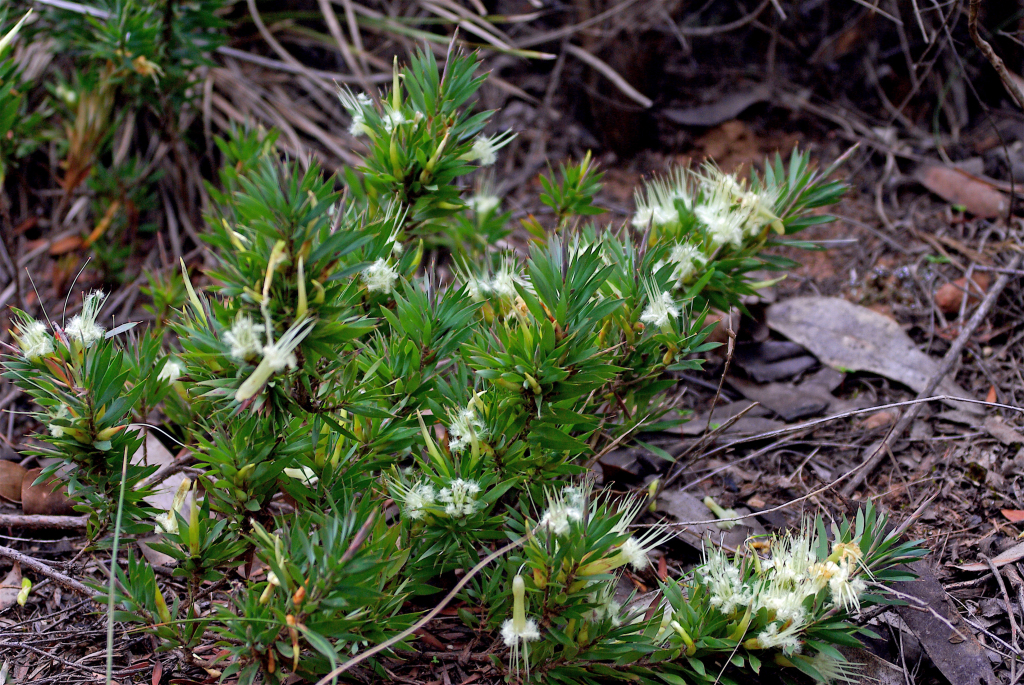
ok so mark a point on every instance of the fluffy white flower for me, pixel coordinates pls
(171, 372)
(504, 282)
(276, 357)
(356, 106)
(483, 204)
(379, 277)
(792, 560)
(485, 148)
(687, 259)
(846, 590)
(785, 603)
(34, 341)
(659, 309)
(787, 639)
(459, 498)
(393, 118)
(62, 413)
(605, 606)
(518, 631)
(635, 554)
(728, 591)
(245, 339)
(833, 670)
(559, 515)
(83, 327)
(657, 204)
(724, 222)
(417, 499)
(465, 425)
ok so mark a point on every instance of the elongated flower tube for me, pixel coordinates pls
(167, 520)
(276, 357)
(518, 631)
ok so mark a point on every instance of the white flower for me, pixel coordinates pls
(379, 277)
(171, 372)
(724, 222)
(788, 639)
(34, 341)
(503, 283)
(245, 338)
(833, 670)
(687, 258)
(459, 498)
(846, 591)
(485, 148)
(792, 560)
(483, 204)
(756, 207)
(727, 589)
(83, 327)
(465, 425)
(634, 554)
(477, 288)
(786, 604)
(276, 357)
(305, 474)
(417, 499)
(393, 118)
(518, 631)
(656, 206)
(62, 413)
(659, 310)
(605, 606)
(560, 514)
(356, 106)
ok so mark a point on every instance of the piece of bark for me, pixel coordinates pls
(954, 650)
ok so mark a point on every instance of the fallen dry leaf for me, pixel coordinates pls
(1010, 556)
(48, 498)
(11, 476)
(949, 297)
(10, 587)
(849, 337)
(992, 396)
(878, 420)
(960, 188)
(64, 245)
(1013, 515)
(1001, 432)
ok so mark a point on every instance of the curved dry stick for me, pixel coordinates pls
(990, 54)
(610, 74)
(39, 567)
(428, 616)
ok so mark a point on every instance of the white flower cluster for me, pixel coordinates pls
(379, 277)
(245, 339)
(786, 586)
(656, 206)
(728, 591)
(660, 309)
(483, 203)
(356, 106)
(563, 509)
(417, 499)
(485, 148)
(171, 372)
(83, 327)
(465, 425)
(34, 340)
(686, 258)
(502, 284)
(730, 211)
(459, 498)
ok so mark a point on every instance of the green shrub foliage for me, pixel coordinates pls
(366, 424)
